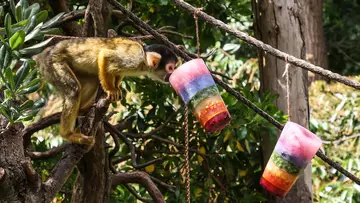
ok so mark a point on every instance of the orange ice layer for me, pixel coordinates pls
(209, 108)
(279, 177)
(272, 188)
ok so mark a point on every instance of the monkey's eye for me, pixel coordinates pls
(170, 67)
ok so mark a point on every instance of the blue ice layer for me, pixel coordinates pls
(287, 155)
(196, 85)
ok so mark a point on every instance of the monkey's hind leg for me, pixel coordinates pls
(70, 89)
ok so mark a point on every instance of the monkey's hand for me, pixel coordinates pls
(114, 94)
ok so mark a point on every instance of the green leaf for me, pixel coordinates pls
(31, 25)
(31, 89)
(20, 24)
(2, 56)
(53, 21)
(4, 112)
(12, 7)
(33, 82)
(41, 16)
(7, 58)
(32, 10)
(17, 39)
(241, 133)
(51, 31)
(35, 48)
(27, 105)
(8, 25)
(21, 73)
(19, 13)
(2, 13)
(10, 78)
(33, 33)
(39, 103)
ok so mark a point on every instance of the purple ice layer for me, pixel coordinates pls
(297, 144)
(291, 157)
(190, 89)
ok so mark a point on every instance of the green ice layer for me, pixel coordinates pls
(202, 94)
(284, 164)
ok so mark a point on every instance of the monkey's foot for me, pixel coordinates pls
(114, 95)
(79, 138)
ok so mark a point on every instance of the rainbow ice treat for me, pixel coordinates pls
(293, 151)
(193, 82)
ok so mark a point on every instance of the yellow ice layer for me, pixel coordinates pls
(278, 177)
(209, 108)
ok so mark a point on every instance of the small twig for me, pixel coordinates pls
(340, 140)
(116, 148)
(133, 192)
(164, 124)
(141, 178)
(221, 74)
(114, 131)
(121, 159)
(48, 154)
(163, 184)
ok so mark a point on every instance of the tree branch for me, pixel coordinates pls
(140, 178)
(48, 154)
(64, 167)
(133, 192)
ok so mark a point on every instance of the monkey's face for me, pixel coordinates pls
(164, 61)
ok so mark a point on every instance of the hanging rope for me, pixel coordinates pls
(187, 162)
(197, 30)
(186, 121)
(286, 73)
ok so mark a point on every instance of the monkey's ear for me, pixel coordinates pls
(153, 59)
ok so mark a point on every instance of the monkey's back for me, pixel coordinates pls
(81, 54)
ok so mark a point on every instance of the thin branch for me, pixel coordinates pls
(140, 178)
(121, 159)
(122, 136)
(265, 47)
(341, 139)
(48, 154)
(236, 94)
(221, 74)
(171, 188)
(160, 127)
(116, 148)
(133, 192)
(30, 172)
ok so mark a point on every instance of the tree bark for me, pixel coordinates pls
(314, 35)
(279, 24)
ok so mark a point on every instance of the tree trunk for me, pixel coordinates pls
(15, 184)
(279, 24)
(314, 35)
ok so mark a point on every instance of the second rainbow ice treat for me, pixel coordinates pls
(293, 151)
(193, 82)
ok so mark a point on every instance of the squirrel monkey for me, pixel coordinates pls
(76, 67)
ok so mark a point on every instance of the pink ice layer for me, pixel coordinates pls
(297, 144)
(187, 72)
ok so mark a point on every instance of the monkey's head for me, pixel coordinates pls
(162, 60)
